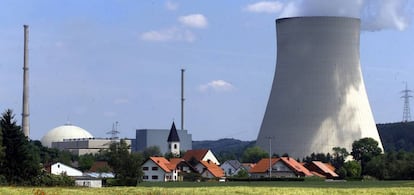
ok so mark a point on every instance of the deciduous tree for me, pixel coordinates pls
(364, 150)
(126, 166)
(254, 154)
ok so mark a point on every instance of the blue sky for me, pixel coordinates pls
(96, 62)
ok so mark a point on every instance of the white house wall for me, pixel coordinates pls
(210, 156)
(89, 183)
(159, 174)
(59, 168)
(153, 175)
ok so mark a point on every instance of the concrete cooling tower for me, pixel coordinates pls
(318, 99)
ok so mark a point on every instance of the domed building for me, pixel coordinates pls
(76, 140)
(64, 132)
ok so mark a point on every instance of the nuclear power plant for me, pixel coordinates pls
(318, 99)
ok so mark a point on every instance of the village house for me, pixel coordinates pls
(280, 167)
(209, 169)
(195, 156)
(232, 167)
(80, 178)
(159, 169)
(60, 168)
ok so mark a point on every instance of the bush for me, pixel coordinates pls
(3, 180)
(47, 179)
(267, 179)
(121, 182)
(191, 176)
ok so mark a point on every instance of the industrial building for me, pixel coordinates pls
(83, 146)
(158, 137)
(318, 99)
(76, 140)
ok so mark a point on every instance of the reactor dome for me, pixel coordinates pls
(64, 132)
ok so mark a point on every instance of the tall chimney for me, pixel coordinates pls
(25, 114)
(182, 99)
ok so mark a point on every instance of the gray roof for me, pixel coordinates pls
(234, 163)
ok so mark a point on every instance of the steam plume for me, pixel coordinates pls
(375, 14)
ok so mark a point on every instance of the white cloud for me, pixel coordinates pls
(216, 85)
(194, 20)
(265, 7)
(375, 15)
(171, 34)
(171, 5)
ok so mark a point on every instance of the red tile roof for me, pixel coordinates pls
(292, 163)
(263, 166)
(330, 166)
(196, 154)
(213, 168)
(162, 163)
(248, 166)
(323, 168)
(174, 162)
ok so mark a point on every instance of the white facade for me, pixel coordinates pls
(59, 168)
(174, 148)
(154, 173)
(318, 99)
(81, 146)
(210, 156)
(92, 183)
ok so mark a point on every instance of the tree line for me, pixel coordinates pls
(23, 161)
(369, 161)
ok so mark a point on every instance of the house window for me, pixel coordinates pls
(145, 177)
(154, 177)
(175, 146)
(229, 171)
(145, 168)
(154, 168)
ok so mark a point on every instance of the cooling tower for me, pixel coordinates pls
(318, 99)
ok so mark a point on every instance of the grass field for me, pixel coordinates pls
(308, 187)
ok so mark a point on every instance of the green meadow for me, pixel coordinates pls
(307, 187)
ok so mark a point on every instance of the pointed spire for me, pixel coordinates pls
(173, 136)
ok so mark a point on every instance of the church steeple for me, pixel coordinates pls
(174, 140)
(173, 136)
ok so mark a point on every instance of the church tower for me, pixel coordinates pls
(174, 141)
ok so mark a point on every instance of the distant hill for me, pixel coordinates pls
(224, 149)
(394, 136)
(397, 136)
